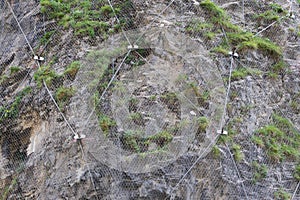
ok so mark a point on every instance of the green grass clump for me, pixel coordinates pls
(162, 138)
(280, 139)
(221, 50)
(281, 194)
(106, 123)
(213, 9)
(238, 38)
(280, 67)
(72, 69)
(260, 171)
(218, 16)
(63, 94)
(45, 73)
(12, 111)
(46, 37)
(3, 78)
(241, 73)
(297, 172)
(216, 152)
(273, 14)
(134, 140)
(277, 8)
(203, 124)
(87, 18)
(197, 26)
(14, 69)
(169, 98)
(246, 40)
(136, 117)
(237, 152)
(269, 15)
(268, 46)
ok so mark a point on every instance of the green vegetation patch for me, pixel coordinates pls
(217, 21)
(203, 124)
(246, 40)
(9, 188)
(63, 95)
(46, 37)
(274, 13)
(14, 69)
(241, 73)
(279, 139)
(87, 18)
(218, 16)
(237, 152)
(281, 194)
(135, 141)
(72, 69)
(12, 111)
(106, 123)
(297, 172)
(260, 171)
(45, 73)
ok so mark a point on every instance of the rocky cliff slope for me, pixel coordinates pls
(150, 99)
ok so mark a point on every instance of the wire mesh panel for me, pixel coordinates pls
(149, 99)
(153, 108)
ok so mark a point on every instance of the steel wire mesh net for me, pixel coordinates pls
(140, 99)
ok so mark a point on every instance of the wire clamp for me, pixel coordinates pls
(79, 137)
(233, 54)
(196, 3)
(38, 58)
(291, 15)
(222, 132)
(132, 47)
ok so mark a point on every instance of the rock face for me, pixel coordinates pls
(153, 131)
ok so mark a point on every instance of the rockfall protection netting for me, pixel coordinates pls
(122, 93)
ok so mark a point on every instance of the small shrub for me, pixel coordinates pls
(45, 38)
(106, 123)
(297, 172)
(279, 68)
(63, 95)
(72, 69)
(260, 171)
(218, 16)
(282, 195)
(45, 73)
(258, 141)
(203, 124)
(87, 18)
(12, 111)
(280, 139)
(169, 98)
(238, 154)
(131, 139)
(216, 152)
(3, 78)
(162, 138)
(137, 118)
(14, 69)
